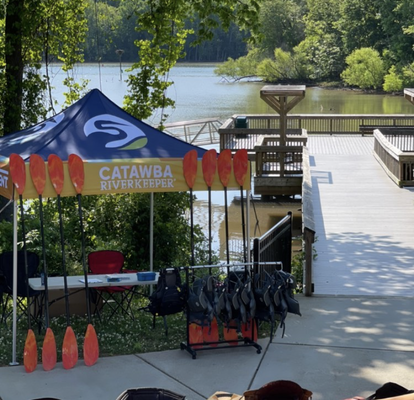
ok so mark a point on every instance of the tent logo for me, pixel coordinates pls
(4, 178)
(133, 138)
(38, 130)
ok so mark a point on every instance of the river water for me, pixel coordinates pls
(199, 93)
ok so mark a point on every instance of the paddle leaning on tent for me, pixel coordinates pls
(18, 175)
(38, 174)
(70, 345)
(90, 345)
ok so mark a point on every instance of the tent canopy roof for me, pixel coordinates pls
(121, 154)
(96, 129)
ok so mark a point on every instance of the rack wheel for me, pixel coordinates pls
(258, 351)
(194, 356)
(182, 346)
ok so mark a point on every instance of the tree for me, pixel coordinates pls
(393, 82)
(322, 45)
(164, 24)
(33, 32)
(365, 69)
(359, 24)
(285, 66)
(281, 25)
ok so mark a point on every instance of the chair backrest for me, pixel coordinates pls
(149, 394)
(6, 269)
(105, 262)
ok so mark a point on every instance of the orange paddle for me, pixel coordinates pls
(190, 174)
(90, 344)
(224, 170)
(70, 345)
(240, 165)
(18, 175)
(209, 163)
(38, 174)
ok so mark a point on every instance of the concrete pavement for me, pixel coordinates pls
(340, 347)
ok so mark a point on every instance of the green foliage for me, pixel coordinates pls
(285, 66)
(393, 82)
(281, 25)
(48, 30)
(165, 36)
(112, 222)
(365, 69)
(241, 68)
(408, 75)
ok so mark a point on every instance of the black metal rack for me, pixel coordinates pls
(192, 348)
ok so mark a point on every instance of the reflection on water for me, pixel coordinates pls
(263, 216)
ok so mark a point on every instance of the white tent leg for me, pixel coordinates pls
(14, 362)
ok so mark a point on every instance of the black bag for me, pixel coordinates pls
(149, 394)
(389, 389)
(169, 298)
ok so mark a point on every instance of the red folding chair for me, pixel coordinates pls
(118, 298)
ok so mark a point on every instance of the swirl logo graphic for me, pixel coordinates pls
(37, 130)
(133, 138)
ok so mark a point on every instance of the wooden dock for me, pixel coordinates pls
(364, 223)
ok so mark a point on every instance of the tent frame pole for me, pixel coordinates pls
(14, 362)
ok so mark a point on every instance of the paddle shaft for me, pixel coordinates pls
(192, 227)
(26, 264)
(65, 275)
(209, 226)
(85, 272)
(226, 221)
(42, 234)
(243, 225)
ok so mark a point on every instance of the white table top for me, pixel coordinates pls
(78, 281)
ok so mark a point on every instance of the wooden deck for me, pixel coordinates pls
(364, 222)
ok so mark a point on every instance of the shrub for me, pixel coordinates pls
(365, 69)
(393, 82)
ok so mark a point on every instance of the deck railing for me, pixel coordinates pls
(275, 245)
(394, 150)
(268, 124)
(273, 158)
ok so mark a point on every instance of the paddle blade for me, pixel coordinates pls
(190, 167)
(211, 333)
(30, 352)
(90, 346)
(69, 349)
(56, 174)
(240, 164)
(18, 172)
(209, 164)
(38, 172)
(196, 335)
(49, 355)
(224, 166)
(76, 172)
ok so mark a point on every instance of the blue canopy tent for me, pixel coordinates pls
(121, 154)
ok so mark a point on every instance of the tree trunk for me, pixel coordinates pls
(14, 66)
(14, 79)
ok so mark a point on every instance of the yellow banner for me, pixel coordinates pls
(124, 176)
